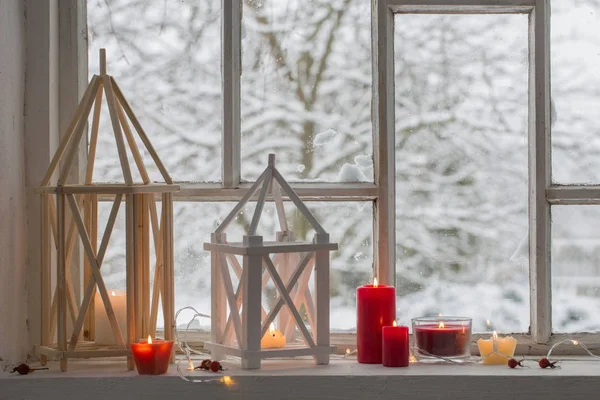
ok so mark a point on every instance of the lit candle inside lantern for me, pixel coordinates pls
(497, 350)
(104, 333)
(152, 356)
(273, 339)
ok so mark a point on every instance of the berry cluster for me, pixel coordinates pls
(543, 363)
(209, 365)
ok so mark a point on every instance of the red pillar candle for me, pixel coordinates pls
(375, 308)
(152, 356)
(395, 349)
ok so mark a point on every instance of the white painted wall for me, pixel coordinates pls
(13, 229)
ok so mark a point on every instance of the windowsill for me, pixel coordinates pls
(300, 379)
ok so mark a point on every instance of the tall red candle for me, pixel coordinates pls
(375, 308)
(395, 349)
(152, 357)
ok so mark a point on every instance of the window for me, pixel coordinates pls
(419, 131)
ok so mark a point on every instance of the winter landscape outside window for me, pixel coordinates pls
(460, 135)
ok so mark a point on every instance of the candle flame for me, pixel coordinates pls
(191, 365)
(375, 282)
(394, 323)
(113, 293)
(271, 329)
(442, 325)
(412, 359)
(494, 335)
(149, 339)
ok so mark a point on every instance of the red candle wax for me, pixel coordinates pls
(375, 308)
(152, 357)
(395, 350)
(449, 340)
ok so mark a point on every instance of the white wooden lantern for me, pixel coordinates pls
(289, 264)
(63, 224)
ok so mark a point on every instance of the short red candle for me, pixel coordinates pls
(450, 340)
(375, 308)
(152, 358)
(395, 350)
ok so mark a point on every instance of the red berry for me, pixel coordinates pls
(205, 364)
(216, 366)
(545, 363)
(22, 369)
(512, 363)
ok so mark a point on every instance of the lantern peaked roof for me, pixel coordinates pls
(270, 182)
(121, 115)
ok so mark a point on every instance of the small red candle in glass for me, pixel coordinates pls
(375, 308)
(395, 350)
(152, 357)
(448, 337)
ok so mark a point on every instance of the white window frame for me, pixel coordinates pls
(542, 193)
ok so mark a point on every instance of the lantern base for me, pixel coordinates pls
(251, 359)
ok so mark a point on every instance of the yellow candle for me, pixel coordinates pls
(497, 350)
(273, 339)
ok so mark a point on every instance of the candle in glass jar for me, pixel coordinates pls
(375, 308)
(152, 356)
(446, 337)
(104, 333)
(395, 348)
(497, 350)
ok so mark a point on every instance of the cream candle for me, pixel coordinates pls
(497, 350)
(104, 333)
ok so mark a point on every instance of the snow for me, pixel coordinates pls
(461, 144)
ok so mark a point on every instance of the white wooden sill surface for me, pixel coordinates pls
(300, 379)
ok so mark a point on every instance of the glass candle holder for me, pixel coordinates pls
(439, 338)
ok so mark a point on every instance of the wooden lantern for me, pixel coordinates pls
(64, 225)
(289, 264)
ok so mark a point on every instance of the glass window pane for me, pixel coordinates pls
(575, 58)
(348, 223)
(165, 56)
(461, 168)
(575, 269)
(306, 89)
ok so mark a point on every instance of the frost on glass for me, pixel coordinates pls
(575, 269)
(575, 62)
(461, 168)
(348, 223)
(165, 56)
(306, 89)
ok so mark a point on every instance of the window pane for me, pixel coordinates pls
(461, 168)
(306, 89)
(348, 223)
(575, 269)
(575, 91)
(165, 56)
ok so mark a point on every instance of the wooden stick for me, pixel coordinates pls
(130, 277)
(286, 296)
(78, 132)
(61, 280)
(276, 189)
(227, 332)
(94, 136)
(89, 324)
(233, 309)
(241, 203)
(89, 295)
(66, 138)
(145, 254)
(135, 151)
(141, 133)
(102, 62)
(168, 269)
(261, 202)
(138, 273)
(301, 206)
(114, 119)
(96, 271)
(280, 301)
(158, 276)
(53, 222)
